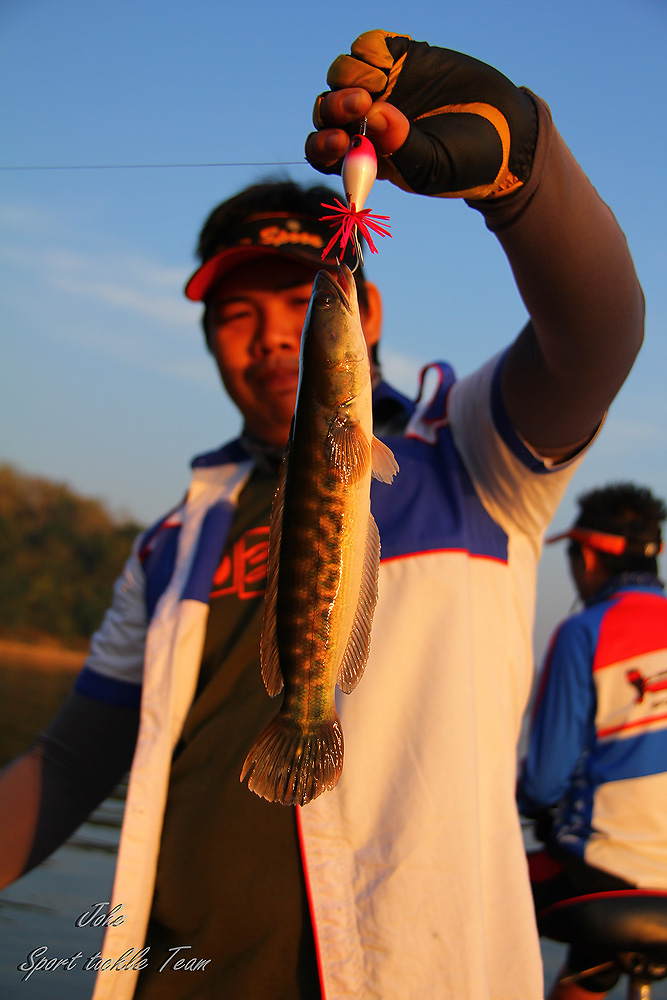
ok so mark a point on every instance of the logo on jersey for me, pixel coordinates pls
(242, 571)
(648, 685)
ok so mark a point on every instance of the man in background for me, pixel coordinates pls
(597, 752)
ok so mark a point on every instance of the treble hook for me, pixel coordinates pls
(357, 246)
(359, 255)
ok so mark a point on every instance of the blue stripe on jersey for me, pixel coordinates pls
(504, 425)
(231, 452)
(436, 410)
(630, 757)
(108, 689)
(158, 564)
(214, 531)
(429, 508)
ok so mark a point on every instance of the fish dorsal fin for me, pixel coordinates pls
(359, 643)
(384, 466)
(348, 449)
(271, 672)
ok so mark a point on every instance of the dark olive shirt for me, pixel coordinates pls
(230, 882)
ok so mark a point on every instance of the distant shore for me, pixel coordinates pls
(46, 654)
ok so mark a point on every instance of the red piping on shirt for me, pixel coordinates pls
(304, 863)
(648, 721)
(435, 552)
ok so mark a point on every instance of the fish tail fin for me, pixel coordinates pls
(292, 765)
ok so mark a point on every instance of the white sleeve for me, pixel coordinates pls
(117, 648)
(519, 489)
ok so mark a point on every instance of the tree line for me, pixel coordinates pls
(59, 556)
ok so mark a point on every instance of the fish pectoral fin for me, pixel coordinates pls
(292, 764)
(348, 449)
(359, 643)
(268, 647)
(384, 466)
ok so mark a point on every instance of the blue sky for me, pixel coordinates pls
(105, 381)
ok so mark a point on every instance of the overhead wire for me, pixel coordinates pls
(156, 166)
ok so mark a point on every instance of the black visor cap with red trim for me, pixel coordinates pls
(298, 237)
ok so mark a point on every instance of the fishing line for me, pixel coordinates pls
(162, 166)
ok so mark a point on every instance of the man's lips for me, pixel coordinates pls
(275, 375)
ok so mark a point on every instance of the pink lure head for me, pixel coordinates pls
(359, 171)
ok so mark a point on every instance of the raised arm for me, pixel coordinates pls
(575, 274)
(447, 125)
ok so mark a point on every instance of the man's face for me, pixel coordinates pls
(255, 319)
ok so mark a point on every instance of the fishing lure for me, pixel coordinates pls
(358, 175)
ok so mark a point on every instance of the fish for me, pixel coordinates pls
(324, 553)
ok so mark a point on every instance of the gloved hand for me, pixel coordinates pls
(442, 122)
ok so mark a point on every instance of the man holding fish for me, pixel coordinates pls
(400, 871)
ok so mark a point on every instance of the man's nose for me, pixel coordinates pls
(278, 329)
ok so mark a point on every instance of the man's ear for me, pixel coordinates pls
(371, 315)
(591, 559)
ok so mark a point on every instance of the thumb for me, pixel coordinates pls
(386, 127)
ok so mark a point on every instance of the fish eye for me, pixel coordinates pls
(324, 299)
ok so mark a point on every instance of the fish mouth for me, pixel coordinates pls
(341, 283)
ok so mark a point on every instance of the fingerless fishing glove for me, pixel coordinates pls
(472, 132)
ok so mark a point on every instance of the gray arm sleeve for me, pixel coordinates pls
(575, 274)
(84, 753)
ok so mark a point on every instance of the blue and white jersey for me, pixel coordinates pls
(414, 863)
(598, 743)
